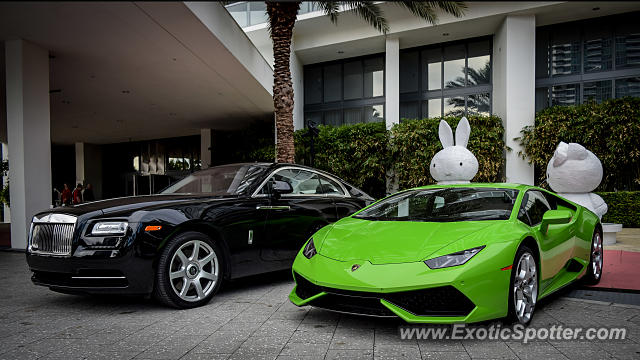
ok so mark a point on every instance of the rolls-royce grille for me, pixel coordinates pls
(52, 239)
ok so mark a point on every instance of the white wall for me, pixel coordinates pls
(297, 77)
(514, 88)
(392, 81)
(28, 126)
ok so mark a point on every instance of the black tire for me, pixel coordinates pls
(513, 316)
(165, 289)
(593, 274)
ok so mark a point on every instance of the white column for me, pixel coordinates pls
(5, 156)
(297, 78)
(514, 88)
(79, 164)
(205, 145)
(29, 130)
(392, 81)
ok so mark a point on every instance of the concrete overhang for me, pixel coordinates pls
(124, 71)
(316, 39)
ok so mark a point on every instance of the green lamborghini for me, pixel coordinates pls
(450, 253)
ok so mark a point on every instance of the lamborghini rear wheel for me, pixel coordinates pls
(594, 271)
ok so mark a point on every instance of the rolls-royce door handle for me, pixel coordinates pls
(283, 207)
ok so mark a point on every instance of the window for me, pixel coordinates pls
(329, 187)
(454, 79)
(533, 207)
(588, 60)
(347, 91)
(444, 205)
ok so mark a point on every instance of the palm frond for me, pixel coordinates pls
(330, 8)
(427, 9)
(370, 12)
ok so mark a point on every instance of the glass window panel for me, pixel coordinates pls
(454, 106)
(314, 118)
(333, 117)
(409, 72)
(454, 66)
(353, 80)
(313, 85)
(565, 94)
(374, 113)
(597, 46)
(628, 87)
(542, 98)
(329, 187)
(542, 56)
(239, 13)
(564, 51)
(628, 50)
(479, 63)
(257, 12)
(352, 116)
(374, 77)
(332, 82)
(597, 91)
(409, 110)
(432, 68)
(434, 108)
(479, 104)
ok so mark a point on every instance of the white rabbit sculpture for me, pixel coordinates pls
(454, 164)
(574, 172)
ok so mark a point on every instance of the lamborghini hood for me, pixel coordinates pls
(386, 242)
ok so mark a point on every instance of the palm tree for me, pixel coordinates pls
(282, 18)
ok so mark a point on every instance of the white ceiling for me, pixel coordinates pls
(132, 71)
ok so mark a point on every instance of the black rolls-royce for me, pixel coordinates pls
(221, 223)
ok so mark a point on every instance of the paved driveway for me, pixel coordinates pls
(252, 319)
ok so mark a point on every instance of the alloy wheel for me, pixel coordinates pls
(525, 287)
(596, 256)
(194, 268)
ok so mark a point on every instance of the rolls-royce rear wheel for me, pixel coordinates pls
(189, 271)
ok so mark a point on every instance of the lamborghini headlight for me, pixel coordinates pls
(110, 228)
(455, 259)
(309, 249)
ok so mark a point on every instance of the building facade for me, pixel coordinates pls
(510, 59)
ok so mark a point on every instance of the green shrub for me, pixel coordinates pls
(624, 207)
(363, 154)
(611, 130)
(415, 142)
(357, 153)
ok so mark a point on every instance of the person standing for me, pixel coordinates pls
(87, 195)
(77, 195)
(65, 197)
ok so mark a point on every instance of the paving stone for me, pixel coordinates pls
(245, 321)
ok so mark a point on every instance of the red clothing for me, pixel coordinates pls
(65, 197)
(77, 196)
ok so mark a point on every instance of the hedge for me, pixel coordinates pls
(415, 142)
(624, 207)
(364, 154)
(357, 153)
(611, 130)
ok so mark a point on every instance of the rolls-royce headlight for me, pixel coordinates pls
(309, 249)
(454, 259)
(110, 228)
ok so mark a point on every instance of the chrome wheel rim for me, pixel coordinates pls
(525, 287)
(194, 270)
(596, 256)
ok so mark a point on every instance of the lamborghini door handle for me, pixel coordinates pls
(273, 207)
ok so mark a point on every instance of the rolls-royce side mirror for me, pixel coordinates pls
(281, 187)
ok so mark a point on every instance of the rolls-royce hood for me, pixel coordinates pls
(132, 203)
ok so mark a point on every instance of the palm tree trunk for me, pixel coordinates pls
(282, 17)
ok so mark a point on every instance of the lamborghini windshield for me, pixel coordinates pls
(219, 180)
(444, 204)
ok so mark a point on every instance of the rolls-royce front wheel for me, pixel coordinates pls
(189, 271)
